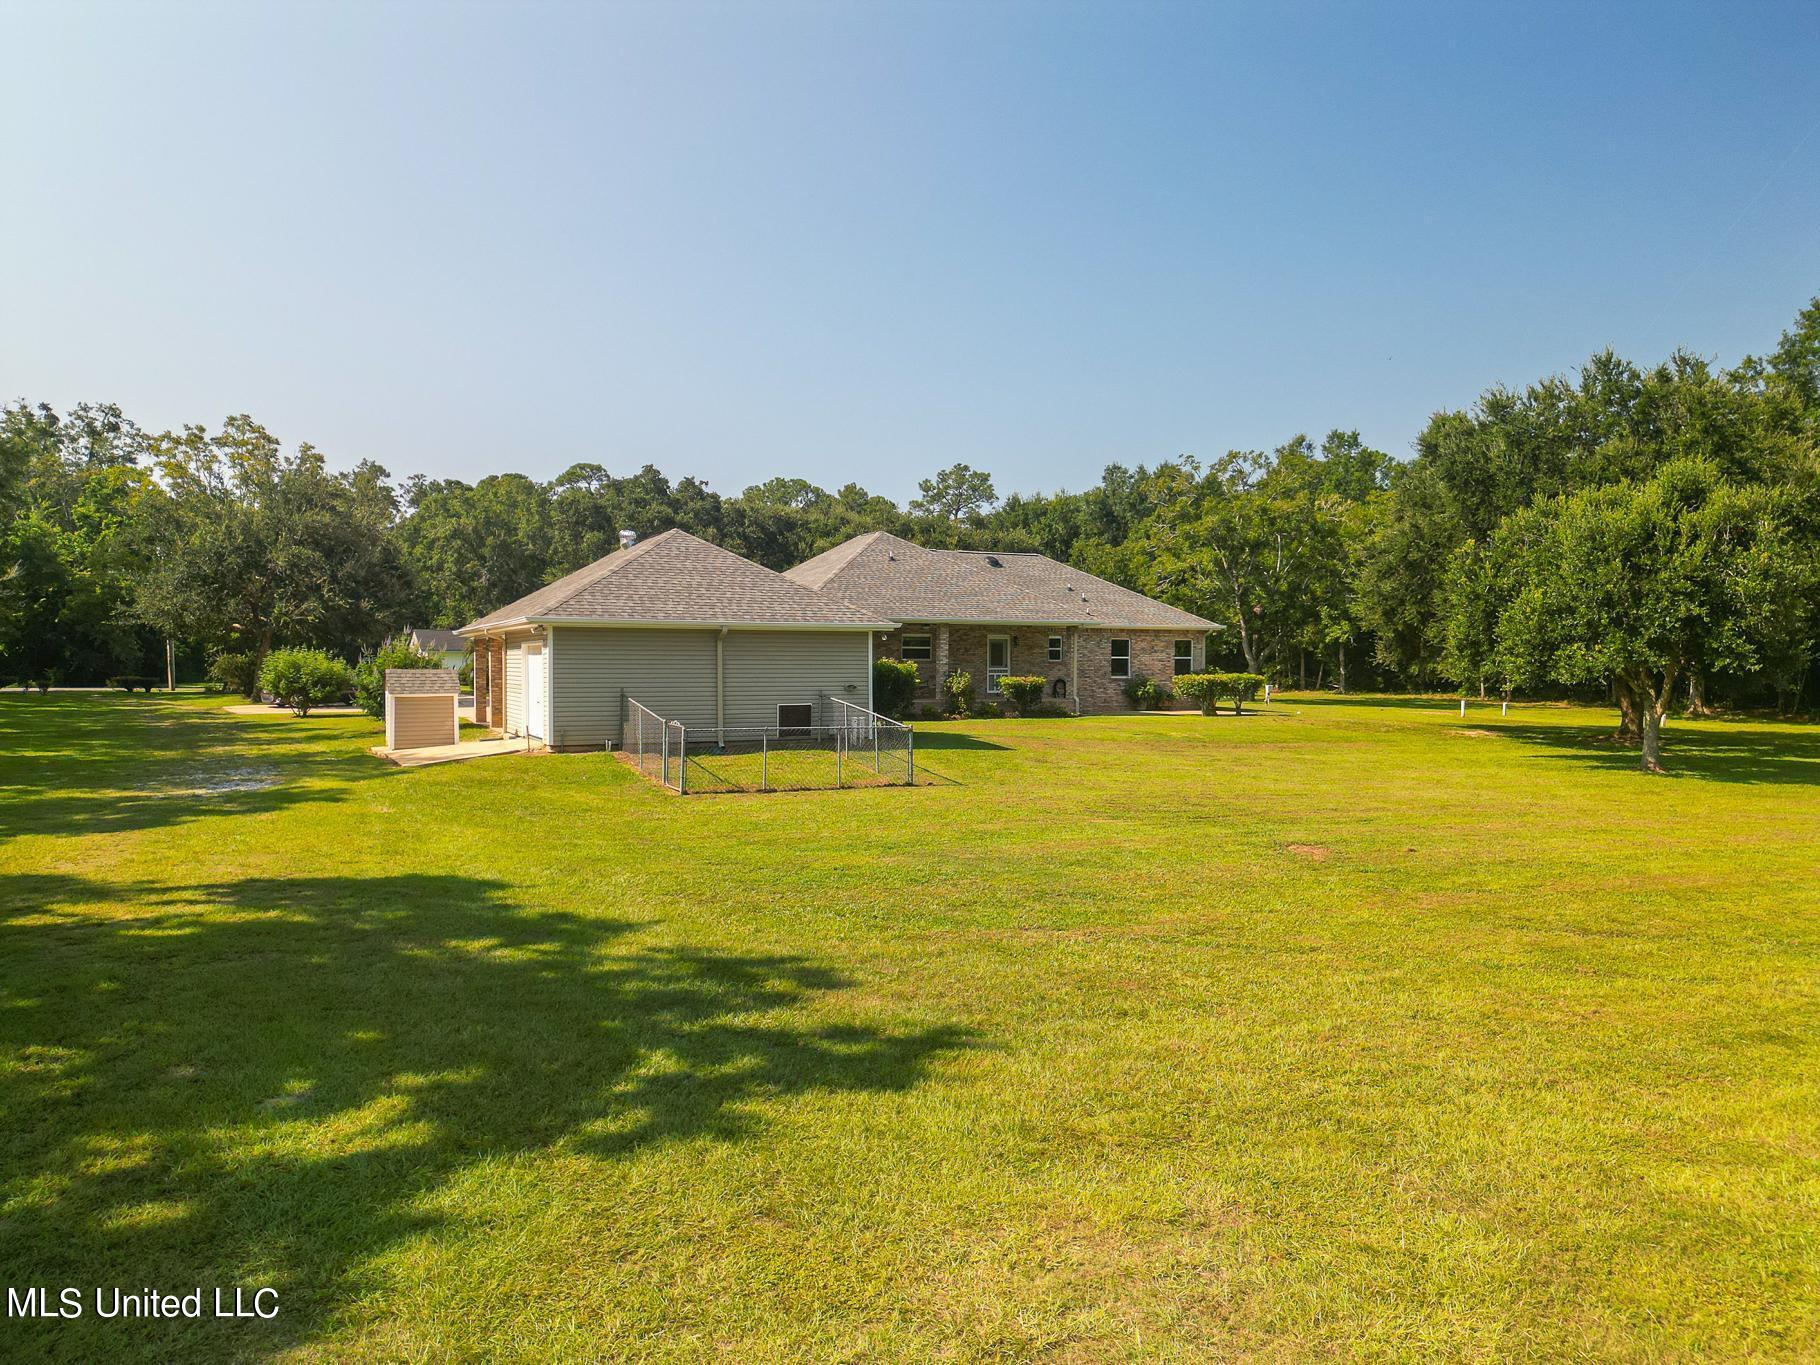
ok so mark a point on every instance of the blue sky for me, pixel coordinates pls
(867, 241)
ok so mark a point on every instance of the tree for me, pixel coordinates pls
(1635, 584)
(958, 493)
(245, 544)
(69, 493)
(1255, 544)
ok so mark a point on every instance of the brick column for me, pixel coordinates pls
(499, 692)
(941, 665)
(483, 664)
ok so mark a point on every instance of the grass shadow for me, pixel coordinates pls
(943, 740)
(267, 1081)
(1708, 752)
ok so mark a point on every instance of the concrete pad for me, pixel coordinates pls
(452, 753)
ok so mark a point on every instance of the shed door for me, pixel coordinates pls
(536, 694)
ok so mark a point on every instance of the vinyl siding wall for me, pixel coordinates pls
(419, 722)
(767, 667)
(672, 672)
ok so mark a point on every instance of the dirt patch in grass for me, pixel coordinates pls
(224, 780)
(1315, 853)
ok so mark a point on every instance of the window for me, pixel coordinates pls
(1055, 649)
(916, 647)
(794, 719)
(1184, 657)
(1121, 658)
(998, 660)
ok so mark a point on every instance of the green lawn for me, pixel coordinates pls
(1348, 1029)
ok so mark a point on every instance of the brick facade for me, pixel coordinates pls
(1085, 668)
(483, 680)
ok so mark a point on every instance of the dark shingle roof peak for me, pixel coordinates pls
(883, 573)
(675, 578)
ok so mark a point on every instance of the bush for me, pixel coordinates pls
(1145, 695)
(1210, 689)
(302, 678)
(369, 678)
(958, 688)
(1025, 694)
(234, 673)
(131, 681)
(1201, 688)
(1240, 688)
(894, 687)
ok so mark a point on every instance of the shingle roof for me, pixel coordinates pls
(437, 639)
(679, 579)
(886, 574)
(421, 682)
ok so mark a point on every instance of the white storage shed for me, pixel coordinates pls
(420, 707)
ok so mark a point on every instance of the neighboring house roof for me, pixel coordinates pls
(421, 682)
(886, 574)
(436, 641)
(679, 579)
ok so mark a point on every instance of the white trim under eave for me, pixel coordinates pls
(999, 622)
(521, 622)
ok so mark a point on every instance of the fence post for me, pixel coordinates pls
(840, 747)
(682, 761)
(910, 755)
(875, 767)
(764, 759)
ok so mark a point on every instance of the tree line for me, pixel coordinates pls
(1644, 532)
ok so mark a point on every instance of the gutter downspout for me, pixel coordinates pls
(720, 687)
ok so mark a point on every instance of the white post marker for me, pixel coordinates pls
(1462, 708)
(1504, 710)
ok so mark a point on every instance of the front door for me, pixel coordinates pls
(998, 660)
(537, 694)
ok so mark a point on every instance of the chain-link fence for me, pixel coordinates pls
(841, 745)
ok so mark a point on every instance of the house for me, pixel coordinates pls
(445, 646)
(696, 633)
(1009, 613)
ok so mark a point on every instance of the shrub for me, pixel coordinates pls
(894, 687)
(1202, 688)
(234, 673)
(958, 688)
(369, 678)
(1025, 694)
(302, 678)
(1145, 695)
(1240, 688)
(1210, 689)
(130, 681)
